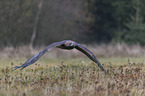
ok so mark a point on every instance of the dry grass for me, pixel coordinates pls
(52, 77)
(69, 79)
(103, 50)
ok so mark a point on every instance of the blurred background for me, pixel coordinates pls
(117, 26)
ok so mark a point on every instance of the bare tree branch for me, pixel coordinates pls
(35, 24)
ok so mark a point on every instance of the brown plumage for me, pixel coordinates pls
(66, 44)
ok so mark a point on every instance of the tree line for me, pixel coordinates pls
(41, 22)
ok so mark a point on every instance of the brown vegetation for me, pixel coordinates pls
(103, 50)
(70, 80)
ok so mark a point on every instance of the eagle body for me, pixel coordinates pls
(67, 45)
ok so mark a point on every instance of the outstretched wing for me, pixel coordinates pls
(89, 54)
(34, 58)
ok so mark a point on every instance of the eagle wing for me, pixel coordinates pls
(89, 54)
(34, 58)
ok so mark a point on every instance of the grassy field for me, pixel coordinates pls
(73, 77)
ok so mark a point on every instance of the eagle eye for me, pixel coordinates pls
(71, 44)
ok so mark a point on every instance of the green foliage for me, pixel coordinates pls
(85, 21)
(102, 22)
(135, 32)
(16, 21)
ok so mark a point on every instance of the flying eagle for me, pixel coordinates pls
(66, 44)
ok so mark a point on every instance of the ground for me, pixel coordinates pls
(73, 77)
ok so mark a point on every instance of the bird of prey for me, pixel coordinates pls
(66, 44)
